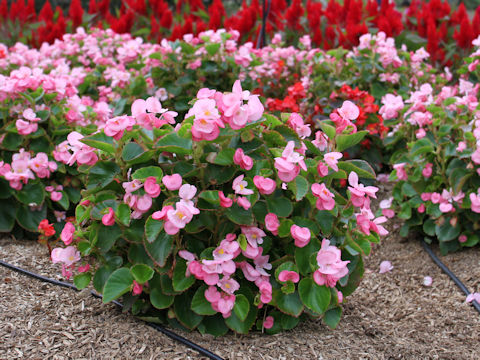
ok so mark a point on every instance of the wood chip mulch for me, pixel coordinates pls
(390, 316)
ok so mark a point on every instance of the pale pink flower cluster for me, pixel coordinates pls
(344, 116)
(446, 200)
(382, 45)
(295, 122)
(81, 153)
(391, 106)
(23, 168)
(290, 163)
(28, 124)
(144, 112)
(176, 218)
(331, 267)
(67, 257)
(214, 110)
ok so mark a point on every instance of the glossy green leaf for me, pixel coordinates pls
(119, 283)
(315, 297)
(141, 273)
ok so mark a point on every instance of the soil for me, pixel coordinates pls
(390, 316)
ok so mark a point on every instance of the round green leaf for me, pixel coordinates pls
(242, 307)
(200, 305)
(82, 280)
(142, 273)
(117, 284)
(315, 297)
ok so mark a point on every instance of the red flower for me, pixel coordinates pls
(76, 13)
(45, 228)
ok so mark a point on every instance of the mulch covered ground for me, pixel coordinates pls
(391, 316)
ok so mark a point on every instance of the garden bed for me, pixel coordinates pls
(391, 316)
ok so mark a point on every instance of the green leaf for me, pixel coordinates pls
(12, 141)
(145, 172)
(315, 297)
(332, 317)
(325, 219)
(152, 229)
(100, 141)
(239, 326)
(101, 277)
(346, 141)
(174, 144)
(132, 151)
(329, 130)
(32, 193)
(447, 232)
(422, 146)
(101, 174)
(82, 280)
(280, 206)
(8, 210)
(122, 213)
(361, 167)
(183, 311)
(160, 300)
(200, 305)
(224, 157)
(117, 284)
(180, 281)
(300, 187)
(289, 304)
(212, 49)
(106, 236)
(242, 307)
(141, 273)
(29, 219)
(302, 256)
(160, 248)
(239, 215)
(214, 325)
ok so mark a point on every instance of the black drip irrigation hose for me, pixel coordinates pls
(447, 271)
(261, 41)
(157, 327)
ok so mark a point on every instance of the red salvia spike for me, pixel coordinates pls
(46, 14)
(92, 7)
(30, 10)
(476, 22)
(3, 9)
(76, 13)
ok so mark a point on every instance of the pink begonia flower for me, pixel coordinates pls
(243, 202)
(301, 235)
(473, 297)
(137, 288)
(187, 191)
(240, 186)
(475, 199)
(143, 203)
(180, 217)
(254, 235)
(67, 233)
(321, 140)
(349, 110)
(224, 201)
(421, 208)
(108, 219)
(325, 199)
(391, 106)
(151, 187)
(228, 285)
(172, 182)
(420, 133)
(427, 281)
(268, 323)
(339, 296)
(295, 122)
(462, 238)
(331, 268)
(272, 223)
(264, 185)
(385, 266)
(426, 196)
(286, 275)
(287, 164)
(401, 174)
(322, 169)
(144, 112)
(116, 126)
(67, 256)
(242, 160)
(265, 291)
(435, 197)
(462, 145)
(427, 170)
(332, 159)
(83, 268)
(25, 127)
(360, 194)
(56, 196)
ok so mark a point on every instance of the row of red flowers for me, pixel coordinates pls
(329, 26)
